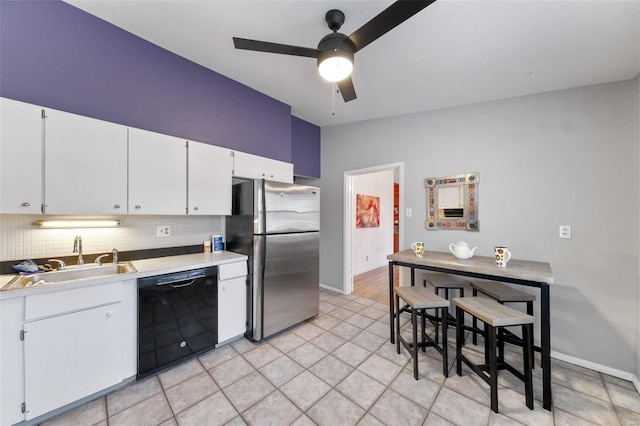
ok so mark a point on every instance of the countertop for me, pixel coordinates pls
(518, 269)
(144, 268)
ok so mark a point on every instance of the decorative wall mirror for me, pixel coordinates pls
(452, 202)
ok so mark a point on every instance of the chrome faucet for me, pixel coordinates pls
(77, 248)
(102, 256)
(115, 256)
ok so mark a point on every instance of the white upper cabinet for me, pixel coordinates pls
(157, 174)
(20, 157)
(209, 179)
(255, 167)
(85, 165)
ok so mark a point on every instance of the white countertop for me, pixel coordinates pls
(144, 268)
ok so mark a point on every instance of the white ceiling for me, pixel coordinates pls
(452, 53)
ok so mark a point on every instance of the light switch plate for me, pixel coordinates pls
(409, 212)
(565, 231)
(163, 231)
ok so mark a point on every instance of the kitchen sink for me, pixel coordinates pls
(68, 273)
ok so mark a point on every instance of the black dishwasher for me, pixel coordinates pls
(177, 317)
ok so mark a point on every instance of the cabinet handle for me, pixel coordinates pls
(109, 314)
(195, 208)
(25, 204)
(138, 207)
(117, 206)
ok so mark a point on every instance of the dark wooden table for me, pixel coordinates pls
(521, 272)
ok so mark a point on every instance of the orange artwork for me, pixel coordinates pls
(367, 211)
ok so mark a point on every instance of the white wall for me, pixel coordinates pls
(20, 240)
(637, 193)
(372, 245)
(560, 158)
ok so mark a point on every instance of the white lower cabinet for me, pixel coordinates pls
(68, 357)
(232, 300)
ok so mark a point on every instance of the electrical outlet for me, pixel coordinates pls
(163, 231)
(565, 231)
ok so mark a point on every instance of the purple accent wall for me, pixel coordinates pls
(305, 148)
(55, 55)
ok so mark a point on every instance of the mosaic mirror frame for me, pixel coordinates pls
(452, 202)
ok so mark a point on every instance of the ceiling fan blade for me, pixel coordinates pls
(347, 89)
(387, 20)
(284, 49)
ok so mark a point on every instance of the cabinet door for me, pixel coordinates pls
(157, 173)
(20, 157)
(255, 167)
(71, 356)
(210, 168)
(232, 308)
(85, 165)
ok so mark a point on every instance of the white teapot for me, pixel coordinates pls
(462, 250)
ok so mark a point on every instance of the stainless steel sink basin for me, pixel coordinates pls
(69, 273)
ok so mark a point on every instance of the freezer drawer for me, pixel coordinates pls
(286, 287)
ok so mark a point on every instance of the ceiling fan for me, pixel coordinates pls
(335, 51)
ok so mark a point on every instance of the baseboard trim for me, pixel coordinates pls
(624, 375)
(332, 289)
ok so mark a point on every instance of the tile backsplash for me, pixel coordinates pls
(20, 239)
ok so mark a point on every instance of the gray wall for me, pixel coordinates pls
(637, 110)
(560, 158)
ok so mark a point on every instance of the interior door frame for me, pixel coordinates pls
(349, 216)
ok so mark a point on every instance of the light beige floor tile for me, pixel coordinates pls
(342, 313)
(624, 397)
(331, 370)
(152, 411)
(429, 368)
(365, 302)
(275, 409)
(394, 409)
(361, 389)
(593, 386)
(328, 341)
(345, 330)
(390, 353)
(360, 321)
(307, 355)
(617, 381)
(212, 411)
(369, 420)
(237, 421)
(88, 414)
(262, 355)
(422, 391)
(513, 404)
(281, 370)
(353, 306)
(471, 386)
(436, 420)
(287, 342)
(584, 406)
(380, 369)
(326, 322)
(305, 390)
(218, 356)
(303, 420)
(351, 354)
(180, 373)
(373, 313)
(379, 328)
(338, 300)
(191, 391)
(562, 418)
(308, 331)
(499, 419)
(243, 345)
(628, 417)
(248, 390)
(448, 403)
(326, 307)
(368, 341)
(230, 371)
(574, 367)
(132, 394)
(335, 409)
(171, 422)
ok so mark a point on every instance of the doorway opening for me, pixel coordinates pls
(366, 249)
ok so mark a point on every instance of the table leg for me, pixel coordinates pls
(391, 333)
(545, 337)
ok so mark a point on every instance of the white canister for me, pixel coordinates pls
(217, 243)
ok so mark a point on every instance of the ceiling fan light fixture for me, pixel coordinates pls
(335, 68)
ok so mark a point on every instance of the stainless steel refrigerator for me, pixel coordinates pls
(277, 225)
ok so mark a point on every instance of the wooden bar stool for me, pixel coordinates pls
(502, 293)
(419, 299)
(495, 316)
(440, 281)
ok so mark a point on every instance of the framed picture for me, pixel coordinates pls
(367, 211)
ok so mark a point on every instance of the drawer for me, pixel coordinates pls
(228, 271)
(60, 302)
